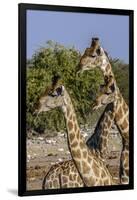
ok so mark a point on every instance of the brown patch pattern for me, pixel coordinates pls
(125, 107)
(82, 146)
(70, 125)
(85, 154)
(108, 67)
(119, 114)
(71, 136)
(109, 123)
(74, 144)
(64, 179)
(125, 124)
(70, 117)
(95, 169)
(106, 182)
(76, 153)
(75, 127)
(68, 111)
(86, 168)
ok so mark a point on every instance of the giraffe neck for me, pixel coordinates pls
(89, 166)
(106, 68)
(121, 115)
(120, 110)
(76, 141)
(121, 119)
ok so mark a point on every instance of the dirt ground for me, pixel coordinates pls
(42, 152)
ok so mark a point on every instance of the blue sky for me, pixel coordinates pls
(77, 29)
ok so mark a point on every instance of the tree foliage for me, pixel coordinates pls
(121, 72)
(55, 58)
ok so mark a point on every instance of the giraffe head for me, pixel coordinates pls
(104, 99)
(93, 57)
(53, 97)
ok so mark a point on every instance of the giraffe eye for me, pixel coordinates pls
(52, 94)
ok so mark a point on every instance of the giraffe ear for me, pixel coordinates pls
(55, 79)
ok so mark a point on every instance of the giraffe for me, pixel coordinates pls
(117, 111)
(91, 169)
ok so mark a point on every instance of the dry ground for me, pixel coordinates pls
(42, 152)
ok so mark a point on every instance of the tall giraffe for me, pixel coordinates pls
(118, 112)
(90, 167)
